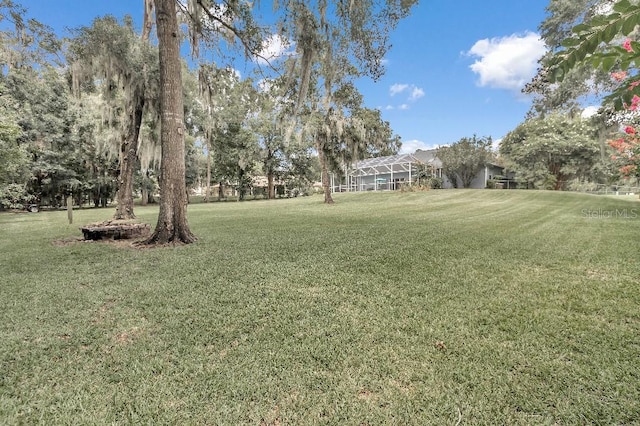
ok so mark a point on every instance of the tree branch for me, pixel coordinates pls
(249, 50)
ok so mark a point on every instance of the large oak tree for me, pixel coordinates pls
(172, 225)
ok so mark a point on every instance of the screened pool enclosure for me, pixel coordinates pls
(384, 173)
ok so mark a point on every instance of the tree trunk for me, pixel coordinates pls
(128, 157)
(145, 196)
(325, 174)
(207, 193)
(172, 223)
(554, 169)
(241, 188)
(271, 188)
(453, 179)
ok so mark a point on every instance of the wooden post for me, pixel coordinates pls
(70, 208)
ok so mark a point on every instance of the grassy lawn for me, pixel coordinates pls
(445, 307)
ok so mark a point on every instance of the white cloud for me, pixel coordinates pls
(603, 8)
(413, 94)
(219, 11)
(409, 147)
(507, 62)
(265, 85)
(589, 111)
(274, 47)
(416, 93)
(397, 88)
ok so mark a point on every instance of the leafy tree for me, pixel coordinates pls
(36, 126)
(212, 91)
(192, 161)
(597, 43)
(29, 43)
(272, 154)
(580, 81)
(149, 158)
(127, 65)
(98, 172)
(290, 160)
(206, 20)
(268, 123)
(13, 157)
(358, 32)
(549, 151)
(299, 170)
(379, 139)
(462, 161)
(336, 42)
(237, 156)
(40, 102)
(228, 103)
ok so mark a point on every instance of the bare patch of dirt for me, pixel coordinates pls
(597, 275)
(104, 311)
(130, 244)
(439, 344)
(68, 241)
(403, 387)
(366, 395)
(127, 336)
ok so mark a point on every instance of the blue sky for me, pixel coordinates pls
(455, 69)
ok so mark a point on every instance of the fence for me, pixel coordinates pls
(604, 189)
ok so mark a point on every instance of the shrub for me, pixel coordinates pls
(15, 196)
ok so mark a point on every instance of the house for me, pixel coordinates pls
(392, 172)
(377, 174)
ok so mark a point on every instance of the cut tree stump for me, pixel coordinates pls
(115, 230)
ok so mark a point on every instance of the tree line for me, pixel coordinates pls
(111, 111)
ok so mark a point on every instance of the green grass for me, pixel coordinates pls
(293, 312)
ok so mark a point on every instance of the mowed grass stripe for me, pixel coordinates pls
(504, 307)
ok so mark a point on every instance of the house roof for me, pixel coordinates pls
(428, 156)
(399, 163)
(382, 165)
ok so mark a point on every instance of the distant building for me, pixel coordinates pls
(392, 172)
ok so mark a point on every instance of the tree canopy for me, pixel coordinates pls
(462, 160)
(607, 43)
(578, 82)
(90, 105)
(547, 152)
